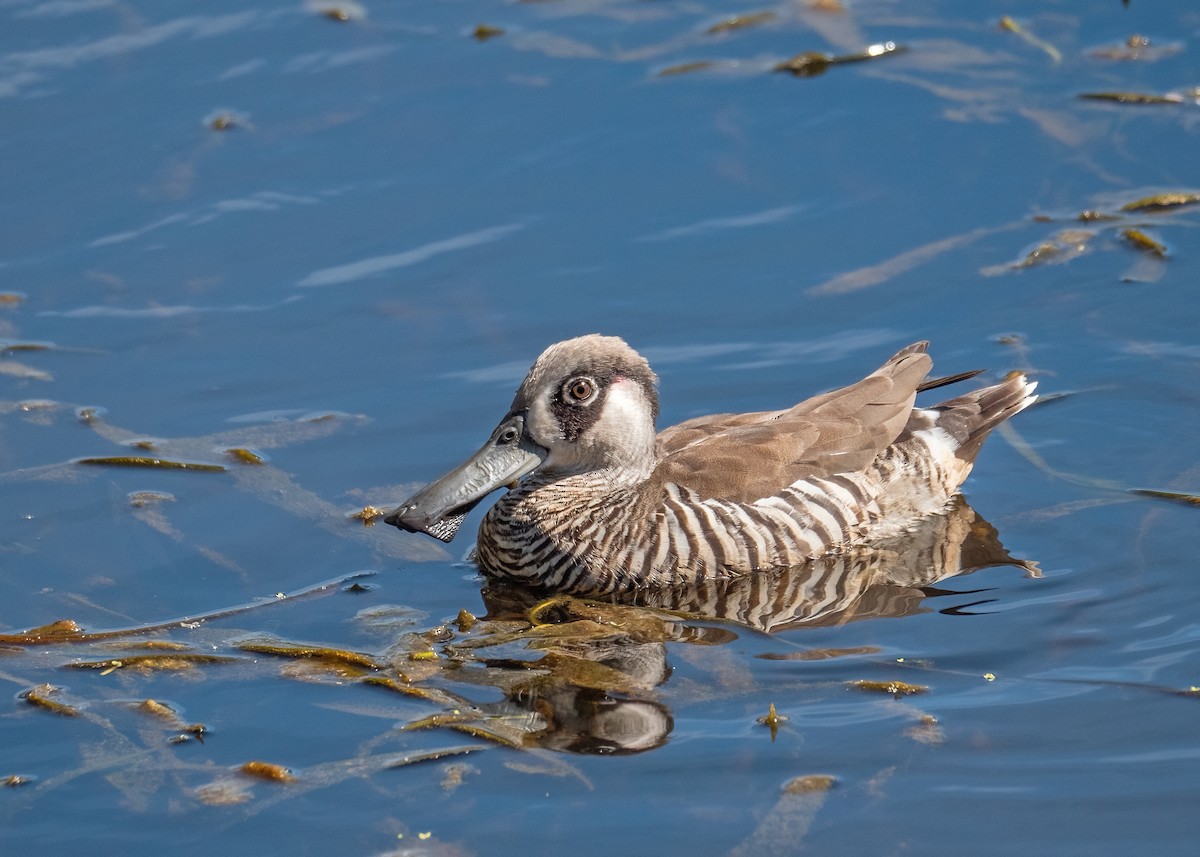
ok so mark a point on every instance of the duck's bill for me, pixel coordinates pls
(439, 508)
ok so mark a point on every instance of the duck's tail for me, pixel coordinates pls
(970, 418)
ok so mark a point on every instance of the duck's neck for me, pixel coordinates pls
(596, 481)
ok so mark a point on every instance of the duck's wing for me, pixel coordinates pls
(744, 457)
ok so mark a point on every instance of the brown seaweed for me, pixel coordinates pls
(321, 653)
(153, 663)
(1133, 97)
(813, 63)
(42, 696)
(1173, 496)
(895, 688)
(1162, 201)
(245, 456)
(267, 771)
(1144, 242)
(685, 68)
(1010, 25)
(483, 32)
(147, 461)
(772, 720)
(368, 515)
(740, 22)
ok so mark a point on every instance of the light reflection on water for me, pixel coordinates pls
(400, 218)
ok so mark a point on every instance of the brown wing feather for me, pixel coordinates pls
(744, 457)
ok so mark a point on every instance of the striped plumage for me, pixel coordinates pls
(601, 503)
(886, 578)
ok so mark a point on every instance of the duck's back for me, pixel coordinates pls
(745, 457)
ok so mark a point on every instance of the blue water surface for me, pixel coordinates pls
(341, 243)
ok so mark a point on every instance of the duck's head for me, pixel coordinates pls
(588, 404)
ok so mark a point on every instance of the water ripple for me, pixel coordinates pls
(722, 224)
(378, 264)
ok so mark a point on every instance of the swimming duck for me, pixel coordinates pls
(600, 502)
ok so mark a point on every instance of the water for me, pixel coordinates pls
(399, 220)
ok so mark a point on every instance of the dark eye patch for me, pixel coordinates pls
(573, 420)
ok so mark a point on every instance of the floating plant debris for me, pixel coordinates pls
(11, 298)
(245, 456)
(772, 720)
(812, 63)
(1137, 47)
(1010, 25)
(368, 515)
(152, 663)
(30, 405)
(428, 694)
(146, 645)
(268, 771)
(895, 688)
(8, 346)
(62, 629)
(42, 697)
(157, 709)
(435, 755)
(1173, 496)
(465, 620)
(321, 653)
(192, 732)
(1162, 201)
(809, 784)
(469, 724)
(739, 22)
(685, 68)
(483, 32)
(147, 461)
(1142, 241)
(1133, 97)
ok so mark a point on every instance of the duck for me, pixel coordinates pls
(600, 501)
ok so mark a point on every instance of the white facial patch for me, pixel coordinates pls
(626, 412)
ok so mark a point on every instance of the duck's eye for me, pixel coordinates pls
(579, 391)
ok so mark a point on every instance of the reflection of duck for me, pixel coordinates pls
(602, 503)
(592, 686)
